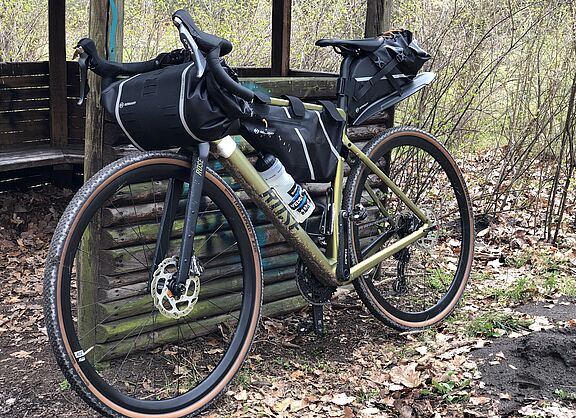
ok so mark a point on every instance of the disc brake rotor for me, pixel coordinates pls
(164, 300)
(428, 242)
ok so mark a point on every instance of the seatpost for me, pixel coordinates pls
(190, 44)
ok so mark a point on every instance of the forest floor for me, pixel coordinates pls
(509, 349)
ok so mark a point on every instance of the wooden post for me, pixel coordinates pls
(100, 26)
(88, 265)
(57, 69)
(281, 26)
(378, 14)
(378, 18)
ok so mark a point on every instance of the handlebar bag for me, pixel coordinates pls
(171, 107)
(383, 72)
(307, 142)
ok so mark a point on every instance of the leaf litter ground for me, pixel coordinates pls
(508, 350)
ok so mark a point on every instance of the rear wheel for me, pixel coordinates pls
(419, 285)
(117, 349)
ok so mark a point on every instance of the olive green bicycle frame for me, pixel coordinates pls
(322, 264)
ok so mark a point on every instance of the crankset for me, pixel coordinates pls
(312, 289)
(165, 301)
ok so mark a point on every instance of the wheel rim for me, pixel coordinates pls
(158, 371)
(435, 268)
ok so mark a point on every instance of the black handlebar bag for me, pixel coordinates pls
(307, 142)
(383, 72)
(171, 107)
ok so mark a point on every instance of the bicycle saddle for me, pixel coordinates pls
(352, 45)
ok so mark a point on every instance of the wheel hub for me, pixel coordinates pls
(165, 301)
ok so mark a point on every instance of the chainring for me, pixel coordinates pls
(311, 289)
(164, 300)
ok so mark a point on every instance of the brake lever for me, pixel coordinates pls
(190, 44)
(83, 63)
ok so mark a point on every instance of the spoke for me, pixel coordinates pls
(145, 248)
(209, 238)
(220, 253)
(133, 345)
(122, 340)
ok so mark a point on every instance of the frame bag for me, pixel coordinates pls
(307, 142)
(171, 107)
(383, 72)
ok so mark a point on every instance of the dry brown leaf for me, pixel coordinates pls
(21, 354)
(479, 400)
(297, 374)
(406, 375)
(342, 399)
(348, 412)
(283, 405)
(241, 396)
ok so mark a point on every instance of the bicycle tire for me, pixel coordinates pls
(112, 386)
(414, 289)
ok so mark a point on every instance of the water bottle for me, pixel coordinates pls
(296, 199)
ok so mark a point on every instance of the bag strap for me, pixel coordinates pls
(332, 110)
(388, 70)
(296, 104)
(261, 97)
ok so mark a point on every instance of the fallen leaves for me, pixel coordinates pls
(406, 375)
(21, 354)
(342, 399)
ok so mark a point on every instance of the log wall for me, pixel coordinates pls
(122, 302)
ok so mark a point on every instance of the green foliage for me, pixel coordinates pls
(487, 324)
(64, 386)
(521, 291)
(565, 395)
(244, 378)
(364, 395)
(450, 390)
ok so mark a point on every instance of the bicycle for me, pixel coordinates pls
(400, 230)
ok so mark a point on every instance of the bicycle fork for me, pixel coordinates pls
(187, 260)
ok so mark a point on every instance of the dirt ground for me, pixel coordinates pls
(508, 350)
(535, 366)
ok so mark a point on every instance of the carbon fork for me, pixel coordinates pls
(175, 187)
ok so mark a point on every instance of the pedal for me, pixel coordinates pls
(318, 318)
(359, 213)
(317, 323)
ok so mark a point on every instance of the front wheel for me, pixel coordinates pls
(116, 347)
(421, 284)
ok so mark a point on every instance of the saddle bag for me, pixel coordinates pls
(171, 107)
(307, 142)
(384, 72)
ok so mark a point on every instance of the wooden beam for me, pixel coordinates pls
(57, 68)
(378, 15)
(281, 27)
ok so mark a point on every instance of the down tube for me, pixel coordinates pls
(238, 166)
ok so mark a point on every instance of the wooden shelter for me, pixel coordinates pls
(43, 132)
